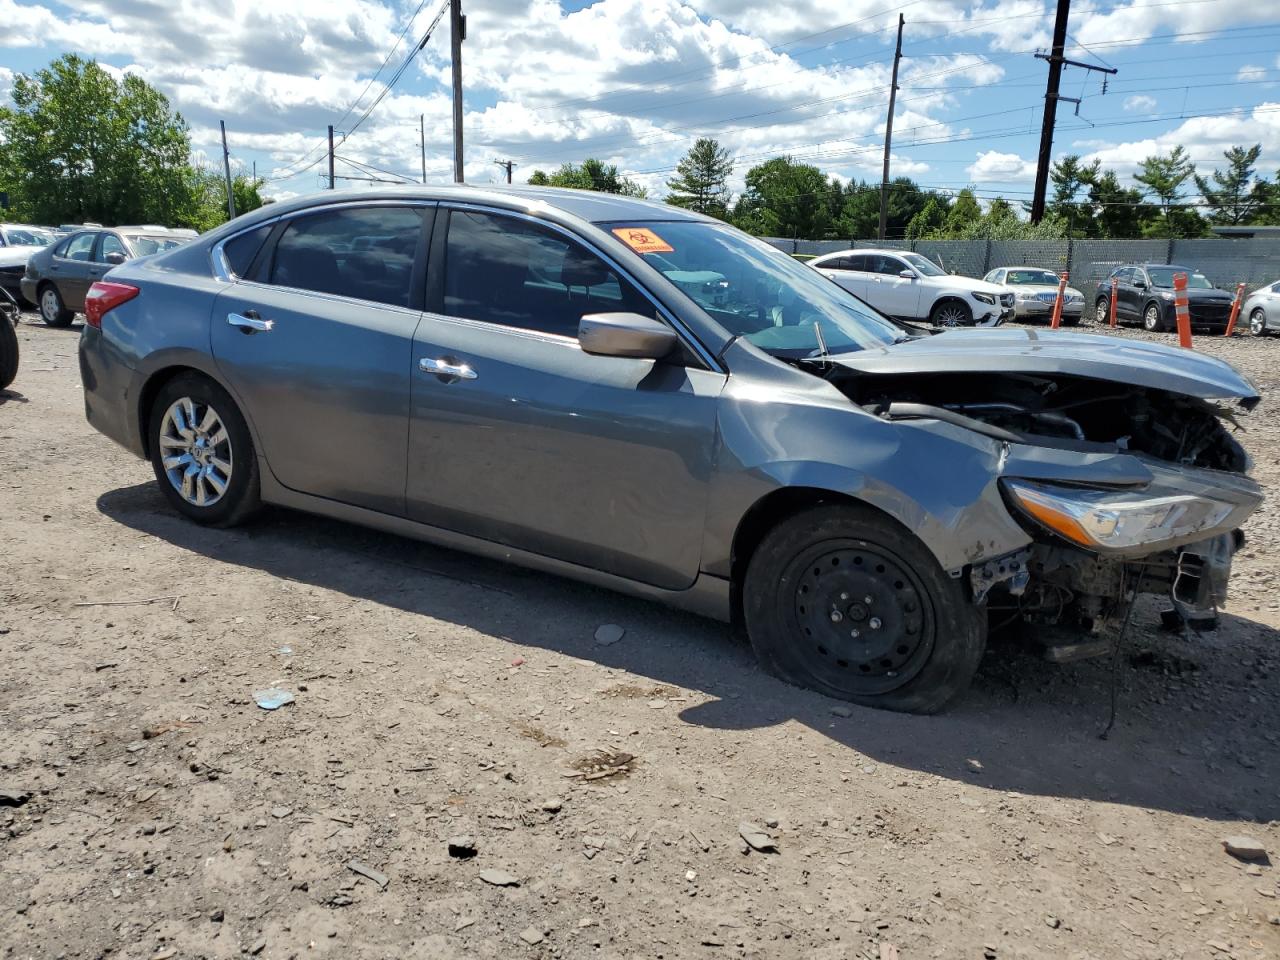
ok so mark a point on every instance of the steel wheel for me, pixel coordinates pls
(863, 617)
(196, 451)
(52, 310)
(1151, 318)
(1258, 323)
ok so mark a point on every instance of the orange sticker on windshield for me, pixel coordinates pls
(642, 241)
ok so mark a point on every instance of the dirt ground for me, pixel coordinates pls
(439, 696)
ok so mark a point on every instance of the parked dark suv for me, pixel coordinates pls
(58, 277)
(1145, 292)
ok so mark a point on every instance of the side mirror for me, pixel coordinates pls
(625, 335)
(1140, 284)
(907, 274)
(115, 258)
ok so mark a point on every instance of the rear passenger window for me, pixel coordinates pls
(861, 262)
(511, 272)
(240, 251)
(366, 253)
(79, 247)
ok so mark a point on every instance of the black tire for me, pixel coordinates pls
(241, 495)
(1258, 323)
(933, 635)
(8, 352)
(1102, 310)
(1153, 317)
(52, 310)
(938, 315)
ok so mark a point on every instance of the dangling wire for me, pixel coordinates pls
(1118, 650)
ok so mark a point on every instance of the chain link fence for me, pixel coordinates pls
(1255, 261)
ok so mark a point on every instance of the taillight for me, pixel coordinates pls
(104, 296)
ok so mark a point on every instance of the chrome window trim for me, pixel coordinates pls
(682, 331)
(218, 259)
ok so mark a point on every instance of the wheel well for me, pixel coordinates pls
(765, 514)
(155, 383)
(948, 298)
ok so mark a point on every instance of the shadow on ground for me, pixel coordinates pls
(1197, 725)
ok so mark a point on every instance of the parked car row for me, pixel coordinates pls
(18, 242)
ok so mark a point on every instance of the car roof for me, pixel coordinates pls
(143, 228)
(1162, 266)
(853, 250)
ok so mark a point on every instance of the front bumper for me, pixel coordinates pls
(1039, 310)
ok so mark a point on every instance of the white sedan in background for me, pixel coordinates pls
(911, 287)
(1034, 291)
(1262, 310)
(18, 242)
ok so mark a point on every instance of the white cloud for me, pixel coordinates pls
(1251, 73)
(994, 166)
(1140, 103)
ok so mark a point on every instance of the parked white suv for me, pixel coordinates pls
(911, 287)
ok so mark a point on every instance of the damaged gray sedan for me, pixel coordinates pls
(527, 374)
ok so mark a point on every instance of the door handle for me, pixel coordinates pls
(443, 368)
(250, 322)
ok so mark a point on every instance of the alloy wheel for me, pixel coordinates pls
(863, 617)
(1257, 323)
(1102, 310)
(951, 315)
(1151, 319)
(49, 305)
(196, 451)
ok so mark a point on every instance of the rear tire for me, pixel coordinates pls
(202, 453)
(845, 601)
(8, 352)
(52, 310)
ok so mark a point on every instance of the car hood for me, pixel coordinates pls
(1021, 351)
(956, 281)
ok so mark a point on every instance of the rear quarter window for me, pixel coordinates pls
(240, 251)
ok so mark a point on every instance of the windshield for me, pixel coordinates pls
(145, 245)
(756, 291)
(1163, 277)
(26, 237)
(1037, 277)
(924, 266)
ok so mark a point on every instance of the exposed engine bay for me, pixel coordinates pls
(1054, 582)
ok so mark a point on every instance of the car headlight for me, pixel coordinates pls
(1111, 520)
(985, 298)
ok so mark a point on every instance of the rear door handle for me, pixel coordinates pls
(250, 322)
(443, 368)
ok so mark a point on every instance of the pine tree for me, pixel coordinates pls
(702, 179)
(1165, 176)
(1238, 195)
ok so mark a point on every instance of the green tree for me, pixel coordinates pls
(1070, 177)
(785, 199)
(247, 192)
(929, 222)
(593, 174)
(78, 145)
(858, 217)
(964, 212)
(1164, 176)
(1118, 210)
(702, 179)
(1238, 194)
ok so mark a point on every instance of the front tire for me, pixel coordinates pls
(951, 313)
(8, 352)
(52, 310)
(1258, 323)
(1102, 310)
(202, 453)
(844, 601)
(1153, 318)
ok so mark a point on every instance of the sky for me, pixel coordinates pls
(635, 82)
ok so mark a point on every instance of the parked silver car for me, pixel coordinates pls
(1261, 310)
(1035, 291)
(514, 372)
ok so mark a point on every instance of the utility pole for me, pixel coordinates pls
(888, 134)
(507, 164)
(422, 130)
(226, 166)
(457, 33)
(331, 156)
(1051, 98)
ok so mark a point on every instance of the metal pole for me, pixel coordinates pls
(422, 129)
(1050, 110)
(888, 135)
(457, 33)
(506, 165)
(226, 166)
(330, 156)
